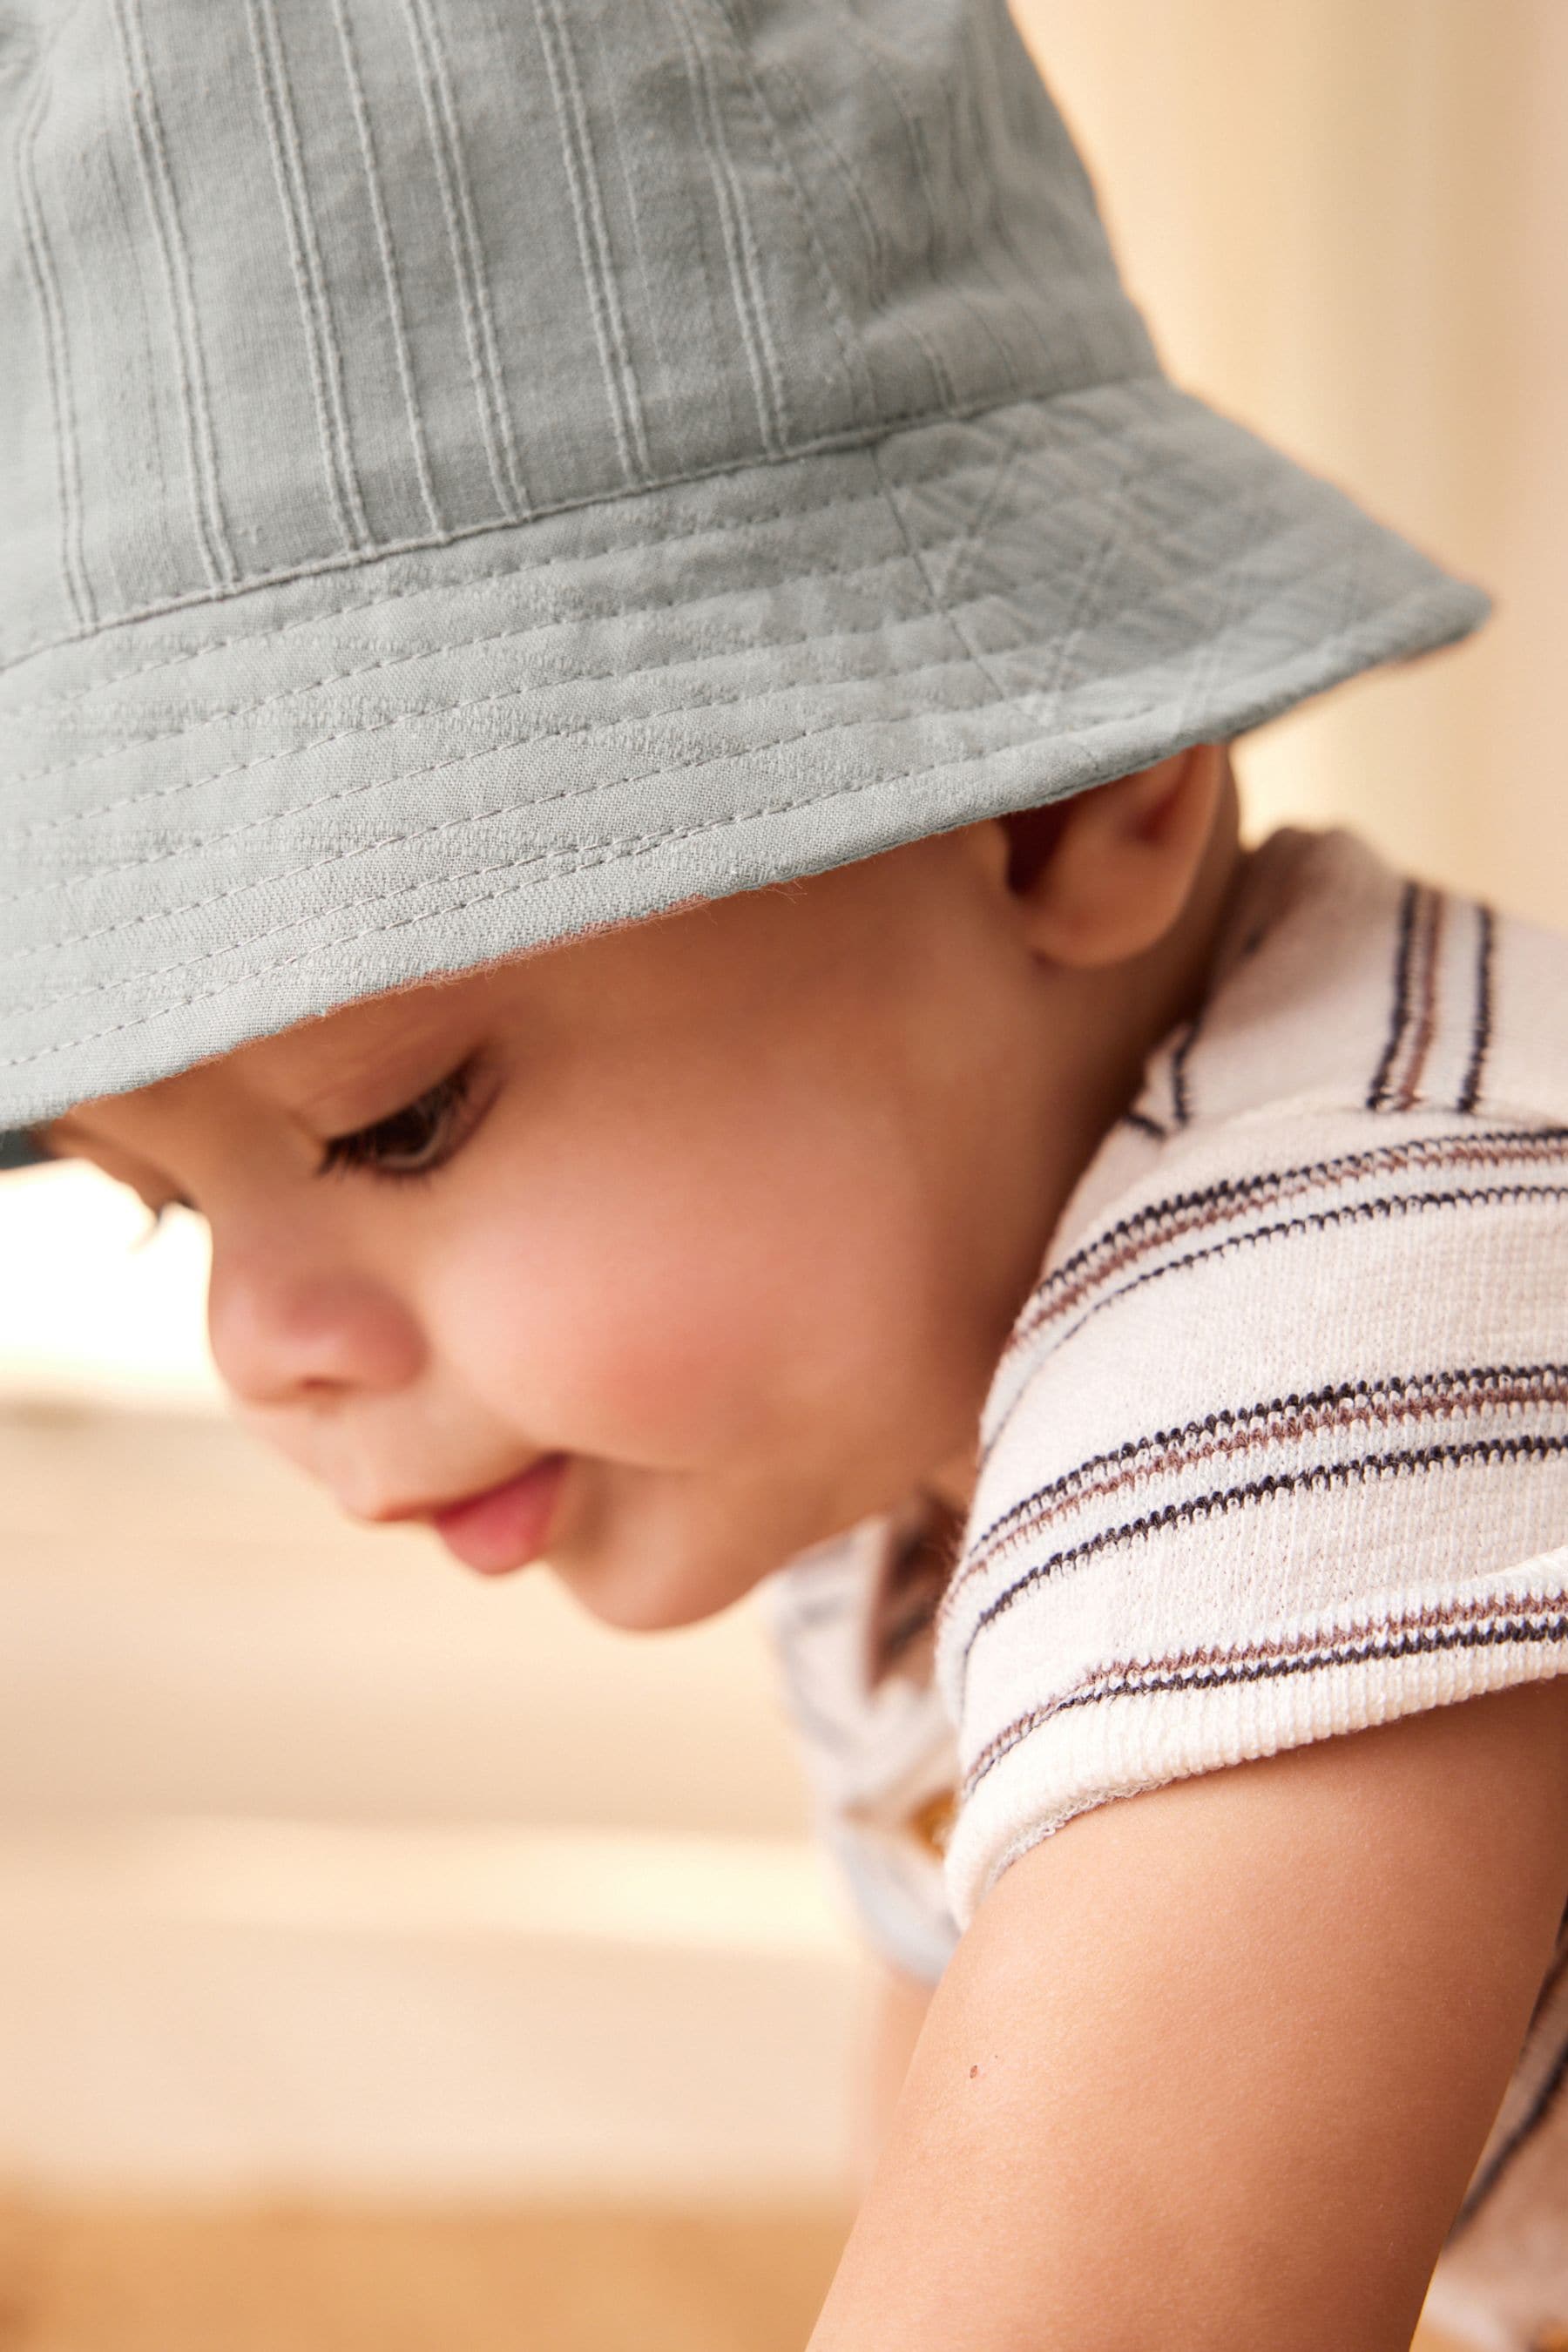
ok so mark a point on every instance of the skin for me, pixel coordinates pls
(1212, 2066)
(739, 1214)
(743, 1207)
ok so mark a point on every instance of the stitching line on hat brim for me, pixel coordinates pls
(1071, 631)
(484, 582)
(581, 729)
(518, 631)
(475, 817)
(846, 442)
(144, 800)
(1203, 672)
(723, 595)
(503, 744)
(501, 582)
(448, 824)
(632, 846)
(948, 612)
(1429, 595)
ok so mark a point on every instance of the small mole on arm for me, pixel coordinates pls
(972, 2072)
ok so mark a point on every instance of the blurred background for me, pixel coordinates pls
(1347, 221)
(388, 1959)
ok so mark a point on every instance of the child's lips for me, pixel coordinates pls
(506, 1526)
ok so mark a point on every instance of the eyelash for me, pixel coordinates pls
(438, 1107)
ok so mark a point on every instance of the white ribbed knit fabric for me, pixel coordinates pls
(1278, 1448)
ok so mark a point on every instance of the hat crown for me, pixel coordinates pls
(294, 283)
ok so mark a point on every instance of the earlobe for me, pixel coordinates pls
(1116, 870)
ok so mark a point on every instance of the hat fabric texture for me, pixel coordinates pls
(472, 473)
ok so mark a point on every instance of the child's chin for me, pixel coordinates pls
(637, 1599)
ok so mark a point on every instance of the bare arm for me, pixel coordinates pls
(1217, 2061)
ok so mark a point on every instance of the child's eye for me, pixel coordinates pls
(414, 1142)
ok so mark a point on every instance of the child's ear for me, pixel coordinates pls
(1103, 875)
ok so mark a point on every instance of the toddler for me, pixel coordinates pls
(618, 664)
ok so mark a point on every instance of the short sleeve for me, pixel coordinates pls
(1279, 1449)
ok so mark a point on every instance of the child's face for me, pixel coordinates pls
(736, 1212)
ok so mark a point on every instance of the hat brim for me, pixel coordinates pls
(233, 815)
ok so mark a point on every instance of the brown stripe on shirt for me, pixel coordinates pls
(1164, 1222)
(1236, 1429)
(1445, 1625)
(1385, 1205)
(1534, 1446)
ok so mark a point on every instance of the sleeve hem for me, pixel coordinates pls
(1175, 1719)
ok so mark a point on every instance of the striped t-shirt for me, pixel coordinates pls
(1278, 1448)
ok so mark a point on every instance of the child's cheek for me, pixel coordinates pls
(630, 1320)
(673, 1314)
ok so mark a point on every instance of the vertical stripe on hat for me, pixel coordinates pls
(739, 249)
(841, 173)
(57, 357)
(157, 180)
(309, 278)
(966, 225)
(888, 67)
(858, 376)
(985, 102)
(397, 315)
(468, 262)
(594, 246)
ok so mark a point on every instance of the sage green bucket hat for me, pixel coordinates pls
(475, 473)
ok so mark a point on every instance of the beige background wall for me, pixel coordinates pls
(1347, 221)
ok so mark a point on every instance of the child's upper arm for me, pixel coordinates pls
(1214, 2063)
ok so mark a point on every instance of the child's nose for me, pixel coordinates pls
(292, 1334)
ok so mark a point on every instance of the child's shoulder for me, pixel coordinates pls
(1375, 1081)
(1345, 993)
(1281, 1434)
